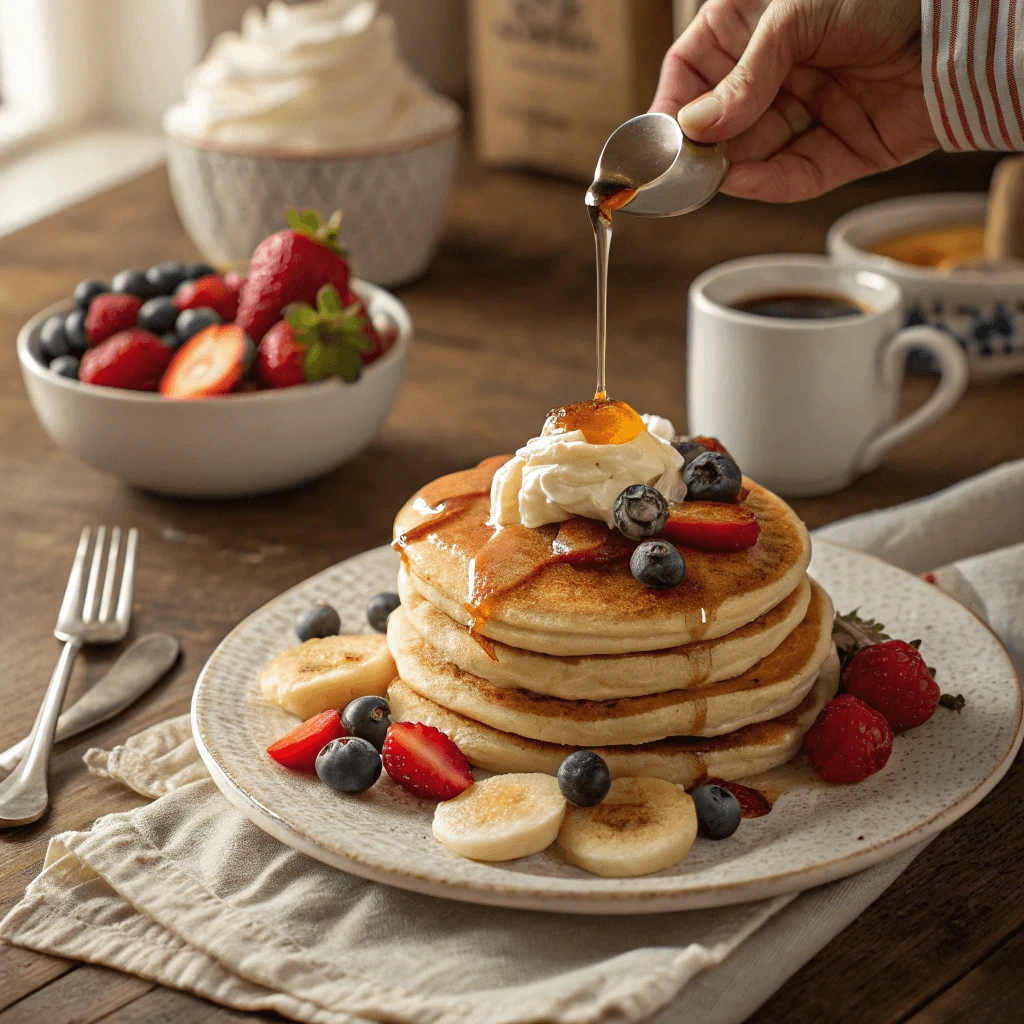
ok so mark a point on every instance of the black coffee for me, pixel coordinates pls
(801, 306)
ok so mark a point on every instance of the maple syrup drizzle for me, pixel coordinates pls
(604, 196)
(601, 420)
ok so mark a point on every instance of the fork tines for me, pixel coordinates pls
(100, 547)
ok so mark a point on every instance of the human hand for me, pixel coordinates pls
(809, 93)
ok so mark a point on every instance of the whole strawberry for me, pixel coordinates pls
(133, 359)
(280, 356)
(291, 266)
(893, 678)
(849, 740)
(311, 344)
(110, 313)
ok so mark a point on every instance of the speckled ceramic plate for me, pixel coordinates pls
(814, 834)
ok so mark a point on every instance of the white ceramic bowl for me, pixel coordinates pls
(394, 201)
(218, 447)
(983, 310)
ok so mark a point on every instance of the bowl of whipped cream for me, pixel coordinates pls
(311, 106)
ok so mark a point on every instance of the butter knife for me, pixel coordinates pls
(138, 668)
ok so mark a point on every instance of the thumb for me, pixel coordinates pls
(752, 85)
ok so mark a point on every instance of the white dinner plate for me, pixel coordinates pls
(814, 834)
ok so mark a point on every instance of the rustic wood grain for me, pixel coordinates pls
(505, 329)
(82, 996)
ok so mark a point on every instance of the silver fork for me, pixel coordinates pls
(88, 615)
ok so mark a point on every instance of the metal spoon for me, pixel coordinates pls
(671, 173)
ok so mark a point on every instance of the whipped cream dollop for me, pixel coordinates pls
(308, 77)
(561, 475)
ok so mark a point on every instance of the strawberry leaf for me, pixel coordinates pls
(345, 362)
(328, 302)
(301, 317)
(318, 361)
(349, 332)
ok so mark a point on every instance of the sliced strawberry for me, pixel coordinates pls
(711, 526)
(280, 357)
(291, 266)
(209, 292)
(582, 541)
(209, 364)
(109, 314)
(422, 760)
(712, 444)
(753, 803)
(298, 749)
(133, 359)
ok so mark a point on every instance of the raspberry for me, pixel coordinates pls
(849, 741)
(894, 679)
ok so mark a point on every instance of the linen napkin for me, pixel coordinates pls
(187, 892)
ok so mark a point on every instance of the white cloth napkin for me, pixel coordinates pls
(187, 892)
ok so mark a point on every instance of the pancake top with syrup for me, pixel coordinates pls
(567, 589)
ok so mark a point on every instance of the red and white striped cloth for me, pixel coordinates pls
(972, 54)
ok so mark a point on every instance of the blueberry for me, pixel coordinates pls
(640, 512)
(321, 620)
(718, 811)
(368, 718)
(171, 340)
(689, 450)
(52, 340)
(158, 315)
(349, 764)
(74, 332)
(583, 778)
(379, 607)
(66, 366)
(194, 270)
(658, 564)
(133, 282)
(712, 477)
(191, 321)
(165, 277)
(86, 291)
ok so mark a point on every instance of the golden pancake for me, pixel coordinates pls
(605, 676)
(752, 749)
(770, 688)
(513, 585)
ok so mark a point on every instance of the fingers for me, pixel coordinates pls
(812, 164)
(706, 52)
(749, 89)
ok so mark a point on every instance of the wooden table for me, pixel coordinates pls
(505, 324)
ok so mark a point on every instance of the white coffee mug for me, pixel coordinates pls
(807, 405)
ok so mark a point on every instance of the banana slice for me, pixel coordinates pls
(328, 673)
(642, 825)
(501, 818)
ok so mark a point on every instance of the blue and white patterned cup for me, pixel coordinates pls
(982, 309)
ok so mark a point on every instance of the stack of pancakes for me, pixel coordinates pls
(720, 676)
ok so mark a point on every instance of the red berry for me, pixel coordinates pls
(210, 291)
(280, 357)
(209, 364)
(357, 307)
(711, 526)
(133, 359)
(298, 749)
(422, 760)
(290, 266)
(849, 740)
(234, 281)
(110, 313)
(893, 678)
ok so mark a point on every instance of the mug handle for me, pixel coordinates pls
(952, 384)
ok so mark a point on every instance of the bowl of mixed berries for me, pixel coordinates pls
(182, 381)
